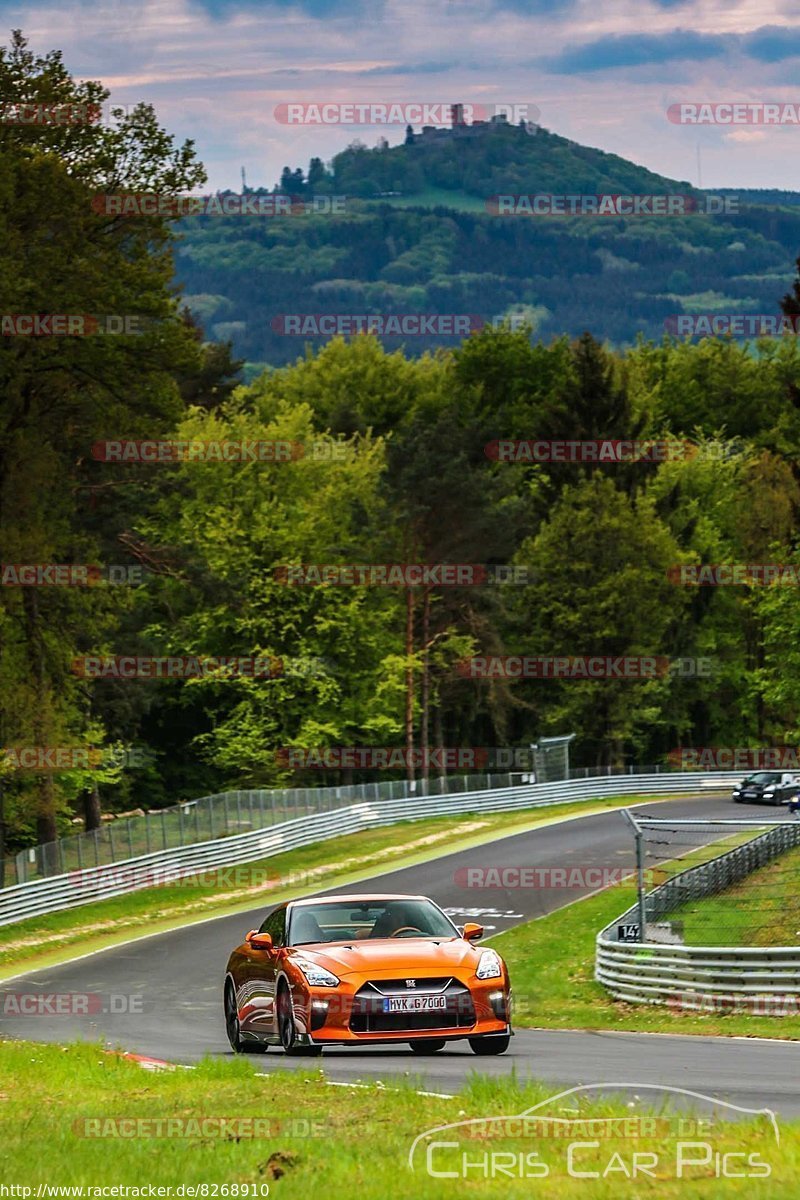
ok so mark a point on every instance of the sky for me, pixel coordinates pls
(601, 72)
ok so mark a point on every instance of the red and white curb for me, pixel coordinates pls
(148, 1064)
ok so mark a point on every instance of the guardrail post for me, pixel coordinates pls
(640, 888)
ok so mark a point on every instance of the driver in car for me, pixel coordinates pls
(393, 918)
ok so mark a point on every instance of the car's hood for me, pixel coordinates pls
(389, 955)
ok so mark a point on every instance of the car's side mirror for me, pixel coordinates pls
(472, 932)
(259, 941)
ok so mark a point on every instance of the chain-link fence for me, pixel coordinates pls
(212, 817)
(8, 873)
(732, 882)
(227, 813)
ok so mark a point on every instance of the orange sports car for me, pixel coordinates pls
(357, 970)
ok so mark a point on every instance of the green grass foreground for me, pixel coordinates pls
(72, 1116)
(40, 941)
(551, 961)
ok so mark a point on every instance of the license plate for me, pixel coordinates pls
(408, 1004)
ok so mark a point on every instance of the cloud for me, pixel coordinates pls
(745, 135)
(767, 44)
(549, 7)
(315, 8)
(637, 49)
(772, 43)
(423, 68)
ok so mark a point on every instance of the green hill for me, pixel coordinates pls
(417, 235)
(483, 160)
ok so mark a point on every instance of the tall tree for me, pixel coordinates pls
(63, 393)
(603, 588)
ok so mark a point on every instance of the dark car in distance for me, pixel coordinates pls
(767, 787)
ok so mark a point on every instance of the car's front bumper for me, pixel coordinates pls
(354, 1015)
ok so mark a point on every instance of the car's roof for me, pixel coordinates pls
(359, 898)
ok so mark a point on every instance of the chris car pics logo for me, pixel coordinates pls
(654, 1145)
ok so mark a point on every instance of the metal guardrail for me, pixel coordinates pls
(211, 817)
(75, 888)
(698, 977)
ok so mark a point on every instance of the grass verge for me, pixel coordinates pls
(551, 961)
(761, 910)
(44, 941)
(78, 1117)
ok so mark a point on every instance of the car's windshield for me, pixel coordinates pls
(763, 777)
(342, 921)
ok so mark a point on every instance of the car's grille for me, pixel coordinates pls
(404, 987)
(367, 1015)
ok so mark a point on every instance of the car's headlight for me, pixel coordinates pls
(317, 976)
(769, 792)
(736, 791)
(489, 966)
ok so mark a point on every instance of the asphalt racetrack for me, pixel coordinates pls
(174, 982)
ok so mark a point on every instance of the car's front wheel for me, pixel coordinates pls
(427, 1045)
(490, 1044)
(287, 1030)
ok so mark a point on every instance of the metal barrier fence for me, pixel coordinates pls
(69, 890)
(699, 977)
(211, 817)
